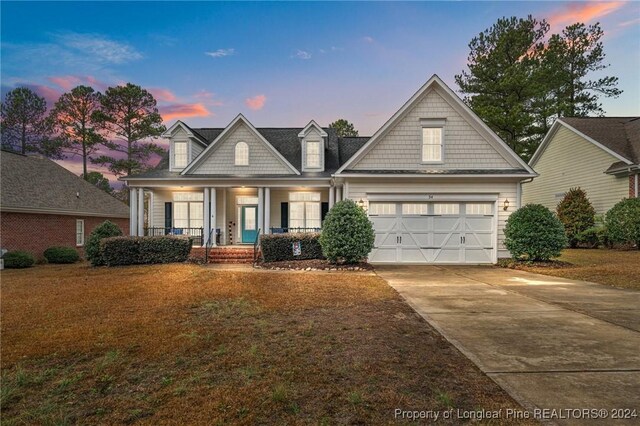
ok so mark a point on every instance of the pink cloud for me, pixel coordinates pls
(68, 82)
(184, 110)
(207, 98)
(256, 103)
(161, 94)
(583, 12)
(49, 94)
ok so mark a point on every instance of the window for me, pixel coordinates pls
(188, 210)
(79, 232)
(246, 199)
(378, 209)
(432, 144)
(188, 196)
(313, 154)
(179, 154)
(414, 209)
(304, 210)
(479, 209)
(242, 154)
(443, 209)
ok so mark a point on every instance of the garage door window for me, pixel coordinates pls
(382, 209)
(414, 209)
(480, 209)
(446, 209)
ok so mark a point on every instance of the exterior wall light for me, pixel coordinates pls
(505, 205)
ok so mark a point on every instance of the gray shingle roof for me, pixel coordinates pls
(441, 172)
(620, 134)
(36, 183)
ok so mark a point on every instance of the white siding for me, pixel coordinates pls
(401, 147)
(196, 149)
(222, 157)
(571, 161)
(357, 189)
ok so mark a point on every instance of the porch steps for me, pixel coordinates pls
(228, 254)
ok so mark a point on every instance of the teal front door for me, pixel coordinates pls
(249, 223)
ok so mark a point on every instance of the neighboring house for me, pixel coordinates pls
(42, 204)
(601, 155)
(437, 183)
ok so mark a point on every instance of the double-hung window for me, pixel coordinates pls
(188, 209)
(79, 232)
(179, 154)
(432, 143)
(304, 210)
(313, 154)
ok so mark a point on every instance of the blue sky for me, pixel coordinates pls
(280, 64)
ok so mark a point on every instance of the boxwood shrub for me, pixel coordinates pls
(92, 247)
(347, 233)
(144, 250)
(534, 233)
(278, 247)
(18, 259)
(623, 222)
(61, 255)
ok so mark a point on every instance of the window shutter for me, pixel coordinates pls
(168, 217)
(324, 209)
(284, 215)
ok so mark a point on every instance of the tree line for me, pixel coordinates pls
(121, 123)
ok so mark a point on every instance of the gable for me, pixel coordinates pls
(220, 158)
(401, 147)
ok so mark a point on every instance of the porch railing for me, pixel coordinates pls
(293, 230)
(195, 233)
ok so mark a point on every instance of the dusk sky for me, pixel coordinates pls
(280, 64)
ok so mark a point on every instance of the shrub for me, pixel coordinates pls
(18, 259)
(533, 232)
(347, 233)
(590, 237)
(61, 255)
(92, 248)
(144, 250)
(576, 214)
(623, 222)
(278, 247)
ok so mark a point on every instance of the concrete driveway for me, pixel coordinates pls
(550, 342)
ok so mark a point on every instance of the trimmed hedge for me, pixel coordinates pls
(534, 233)
(623, 222)
(18, 259)
(278, 247)
(118, 251)
(576, 214)
(92, 248)
(61, 255)
(347, 233)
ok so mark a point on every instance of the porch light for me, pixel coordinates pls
(361, 204)
(505, 205)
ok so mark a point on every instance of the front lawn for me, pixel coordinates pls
(619, 268)
(186, 344)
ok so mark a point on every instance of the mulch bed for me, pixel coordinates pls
(527, 265)
(313, 265)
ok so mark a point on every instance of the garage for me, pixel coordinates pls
(446, 231)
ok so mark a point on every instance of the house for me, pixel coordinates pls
(436, 182)
(601, 155)
(42, 205)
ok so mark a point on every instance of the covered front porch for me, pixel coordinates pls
(229, 215)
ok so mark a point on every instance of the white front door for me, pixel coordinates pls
(445, 232)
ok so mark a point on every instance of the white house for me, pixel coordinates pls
(436, 182)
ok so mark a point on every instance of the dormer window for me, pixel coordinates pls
(242, 154)
(180, 153)
(432, 140)
(313, 154)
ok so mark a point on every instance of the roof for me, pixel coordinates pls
(286, 141)
(441, 172)
(619, 134)
(37, 184)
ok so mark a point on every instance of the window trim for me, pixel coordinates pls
(186, 154)
(319, 154)
(81, 233)
(304, 203)
(422, 144)
(235, 154)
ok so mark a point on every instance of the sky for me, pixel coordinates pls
(280, 64)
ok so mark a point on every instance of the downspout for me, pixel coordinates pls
(636, 185)
(519, 192)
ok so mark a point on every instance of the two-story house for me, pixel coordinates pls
(436, 182)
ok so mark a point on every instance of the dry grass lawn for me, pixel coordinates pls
(619, 268)
(185, 344)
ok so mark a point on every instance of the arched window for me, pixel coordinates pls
(242, 154)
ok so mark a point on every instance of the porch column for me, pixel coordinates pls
(261, 209)
(267, 211)
(223, 228)
(213, 216)
(133, 216)
(332, 196)
(338, 193)
(141, 212)
(206, 216)
(150, 212)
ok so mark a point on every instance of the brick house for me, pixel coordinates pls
(43, 204)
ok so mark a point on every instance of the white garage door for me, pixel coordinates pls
(435, 232)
